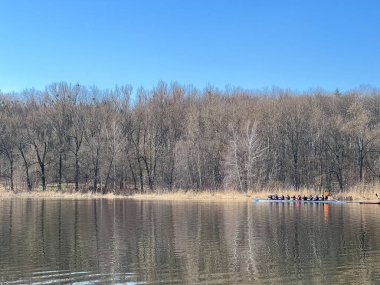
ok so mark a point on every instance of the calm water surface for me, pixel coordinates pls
(104, 241)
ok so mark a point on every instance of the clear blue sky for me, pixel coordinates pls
(250, 44)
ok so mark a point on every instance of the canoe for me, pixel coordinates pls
(258, 200)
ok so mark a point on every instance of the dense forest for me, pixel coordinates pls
(76, 138)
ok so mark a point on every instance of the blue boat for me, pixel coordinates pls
(259, 200)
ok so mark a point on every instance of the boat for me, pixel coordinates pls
(370, 202)
(259, 200)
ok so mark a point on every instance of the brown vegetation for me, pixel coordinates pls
(175, 137)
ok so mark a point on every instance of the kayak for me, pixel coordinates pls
(258, 200)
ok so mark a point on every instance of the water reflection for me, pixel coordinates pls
(175, 242)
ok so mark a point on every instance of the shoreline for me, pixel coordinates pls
(227, 196)
(180, 195)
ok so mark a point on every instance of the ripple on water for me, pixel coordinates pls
(67, 277)
(129, 242)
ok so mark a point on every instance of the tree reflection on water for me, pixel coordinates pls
(187, 242)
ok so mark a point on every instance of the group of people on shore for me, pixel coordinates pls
(298, 197)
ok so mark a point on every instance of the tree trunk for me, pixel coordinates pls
(133, 175)
(11, 173)
(60, 172)
(108, 175)
(149, 174)
(41, 163)
(76, 172)
(26, 164)
(43, 177)
(141, 176)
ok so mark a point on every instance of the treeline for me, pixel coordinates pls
(70, 137)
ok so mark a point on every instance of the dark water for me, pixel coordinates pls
(104, 241)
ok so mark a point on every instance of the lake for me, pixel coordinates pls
(132, 242)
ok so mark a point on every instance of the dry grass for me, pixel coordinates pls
(227, 195)
(285, 191)
(57, 195)
(357, 193)
(159, 195)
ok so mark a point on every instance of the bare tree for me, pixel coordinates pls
(174, 136)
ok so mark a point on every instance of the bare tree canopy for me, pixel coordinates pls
(73, 138)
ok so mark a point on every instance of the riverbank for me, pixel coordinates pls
(160, 195)
(57, 195)
(357, 194)
(228, 196)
